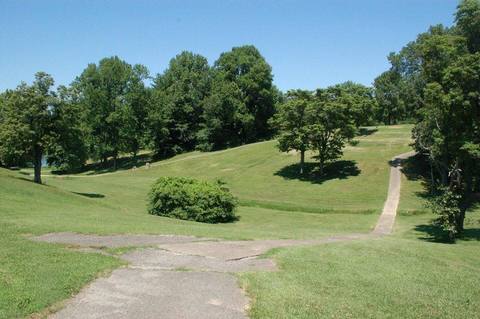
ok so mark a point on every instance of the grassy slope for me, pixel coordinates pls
(406, 275)
(253, 172)
(117, 201)
(332, 280)
(387, 278)
(35, 275)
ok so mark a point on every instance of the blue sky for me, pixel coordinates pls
(309, 44)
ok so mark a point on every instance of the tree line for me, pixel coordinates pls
(435, 81)
(109, 110)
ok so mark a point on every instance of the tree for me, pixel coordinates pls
(26, 124)
(245, 74)
(467, 19)
(134, 111)
(226, 120)
(180, 93)
(448, 125)
(330, 127)
(113, 97)
(66, 148)
(387, 94)
(292, 122)
(34, 122)
(358, 100)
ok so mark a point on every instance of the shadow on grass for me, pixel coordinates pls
(435, 234)
(123, 163)
(365, 131)
(336, 170)
(90, 195)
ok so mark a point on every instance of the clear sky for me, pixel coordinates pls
(309, 44)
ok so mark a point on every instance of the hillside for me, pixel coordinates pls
(274, 204)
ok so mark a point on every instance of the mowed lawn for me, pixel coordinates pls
(367, 278)
(405, 275)
(261, 176)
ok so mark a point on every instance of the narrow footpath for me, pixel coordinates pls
(189, 277)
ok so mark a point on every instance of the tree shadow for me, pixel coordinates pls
(336, 170)
(123, 163)
(365, 131)
(435, 234)
(90, 195)
(416, 167)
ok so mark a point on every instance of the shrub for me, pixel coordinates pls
(190, 199)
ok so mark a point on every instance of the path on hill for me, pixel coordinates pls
(189, 277)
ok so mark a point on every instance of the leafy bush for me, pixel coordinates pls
(191, 199)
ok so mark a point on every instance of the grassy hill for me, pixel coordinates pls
(326, 280)
(262, 176)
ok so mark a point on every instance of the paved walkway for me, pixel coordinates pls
(188, 277)
(387, 219)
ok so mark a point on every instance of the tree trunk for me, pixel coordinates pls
(321, 164)
(104, 161)
(302, 161)
(37, 164)
(115, 162)
(460, 220)
(135, 158)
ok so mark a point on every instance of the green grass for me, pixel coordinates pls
(336, 280)
(254, 174)
(403, 276)
(34, 275)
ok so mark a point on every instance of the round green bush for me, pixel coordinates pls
(191, 199)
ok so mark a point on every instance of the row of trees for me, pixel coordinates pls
(436, 81)
(110, 110)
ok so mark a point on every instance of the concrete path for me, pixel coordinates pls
(386, 220)
(188, 277)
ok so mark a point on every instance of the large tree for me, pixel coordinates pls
(179, 97)
(448, 124)
(331, 125)
(66, 148)
(358, 99)
(34, 122)
(292, 123)
(226, 120)
(244, 73)
(113, 97)
(387, 93)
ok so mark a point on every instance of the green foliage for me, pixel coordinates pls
(331, 126)
(66, 150)
(226, 120)
(179, 97)
(242, 100)
(387, 93)
(292, 120)
(114, 98)
(447, 205)
(467, 18)
(190, 199)
(439, 74)
(35, 121)
(357, 98)
(323, 122)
